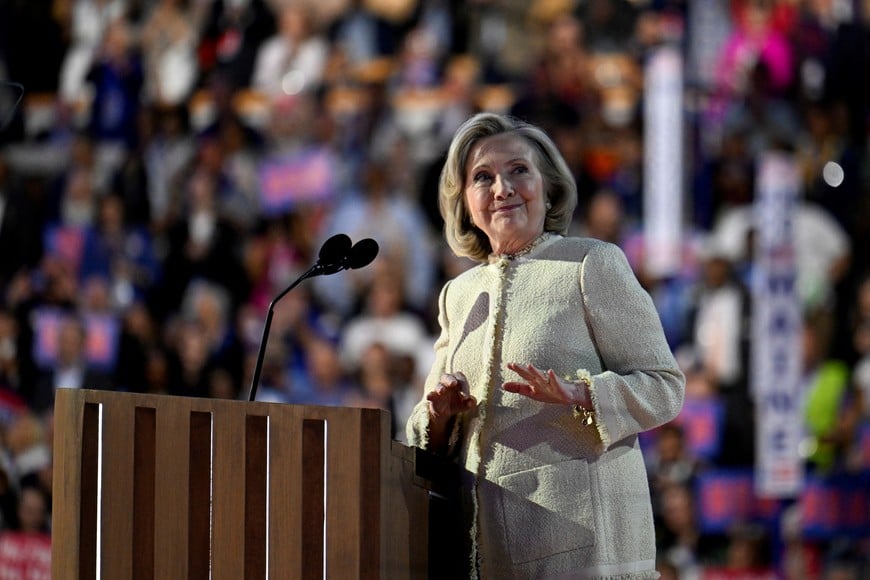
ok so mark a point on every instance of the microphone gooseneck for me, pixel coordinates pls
(336, 254)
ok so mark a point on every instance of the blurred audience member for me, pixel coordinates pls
(561, 77)
(757, 37)
(168, 39)
(719, 321)
(14, 369)
(29, 447)
(822, 247)
(360, 36)
(71, 368)
(387, 381)
(166, 155)
(25, 551)
(830, 417)
(232, 34)
(201, 245)
(138, 336)
(747, 554)
(293, 60)
(679, 541)
(670, 462)
(604, 218)
(117, 80)
(326, 381)
(122, 255)
(209, 305)
(401, 231)
(387, 321)
(23, 211)
(189, 364)
(88, 22)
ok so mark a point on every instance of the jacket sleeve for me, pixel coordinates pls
(417, 428)
(641, 385)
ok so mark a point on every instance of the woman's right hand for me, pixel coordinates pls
(446, 401)
(449, 398)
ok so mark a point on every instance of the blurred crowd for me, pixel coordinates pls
(174, 164)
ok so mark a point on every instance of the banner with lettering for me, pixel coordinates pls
(776, 330)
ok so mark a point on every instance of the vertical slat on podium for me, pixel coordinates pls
(372, 424)
(343, 499)
(256, 487)
(117, 490)
(144, 465)
(285, 493)
(313, 448)
(199, 496)
(66, 485)
(171, 488)
(229, 489)
(88, 491)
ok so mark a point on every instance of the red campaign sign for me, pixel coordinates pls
(305, 176)
(836, 507)
(25, 556)
(726, 497)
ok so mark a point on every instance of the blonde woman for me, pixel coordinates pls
(550, 361)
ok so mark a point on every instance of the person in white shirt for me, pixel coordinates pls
(294, 59)
(822, 247)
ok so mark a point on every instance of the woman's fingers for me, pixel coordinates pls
(542, 386)
(519, 388)
(449, 397)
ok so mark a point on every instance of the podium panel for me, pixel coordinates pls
(156, 486)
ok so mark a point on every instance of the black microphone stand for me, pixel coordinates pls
(268, 324)
(336, 254)
(333, 254)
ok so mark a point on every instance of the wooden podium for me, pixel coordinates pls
(152, 486)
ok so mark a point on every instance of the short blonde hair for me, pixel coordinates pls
(560, 189)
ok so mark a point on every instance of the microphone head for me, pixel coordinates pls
(334, 250)
(361, 254)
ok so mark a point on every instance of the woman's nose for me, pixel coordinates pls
(502, 186)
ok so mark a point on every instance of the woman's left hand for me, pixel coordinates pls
(545, 387)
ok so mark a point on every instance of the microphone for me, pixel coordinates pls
(361, 254)
(332, 254)
(336, 254)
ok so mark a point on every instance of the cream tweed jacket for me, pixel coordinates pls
(550, 497)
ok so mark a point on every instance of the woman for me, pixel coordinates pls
(551, 359)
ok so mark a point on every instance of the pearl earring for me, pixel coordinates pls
(549, 205)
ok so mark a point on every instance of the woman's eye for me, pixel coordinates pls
(521, 169)
(482, 176)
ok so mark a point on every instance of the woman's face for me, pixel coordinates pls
(504, 192)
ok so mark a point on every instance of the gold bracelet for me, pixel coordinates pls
(586, 416)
